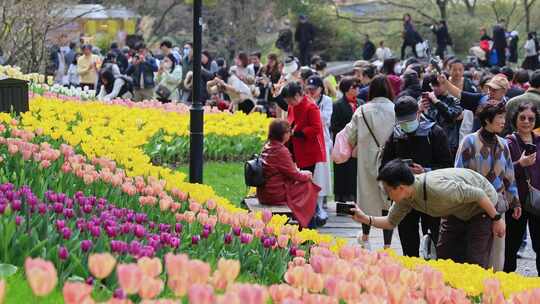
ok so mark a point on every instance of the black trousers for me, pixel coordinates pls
(441, 48)
(404, 47)
(409, 234)
(501, 57)
(514, 237)
(305, 56)
(387, 234)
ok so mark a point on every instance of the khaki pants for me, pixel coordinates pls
(143, 94)
(496, 259)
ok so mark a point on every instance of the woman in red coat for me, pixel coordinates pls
(285, 183)
(307, 131)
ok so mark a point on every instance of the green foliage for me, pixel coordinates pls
(227, 179)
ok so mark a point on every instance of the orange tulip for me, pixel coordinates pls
(397, 293)
(150, 288)
(230, 267)
(41, 276)
(314, 282)
(280, 292)
(119, 301)
(179, 284)
(101, 264)
(176, 264)
(317, 299)
(375, 285)
(129, 277)
(201, 294)
(76, 292)
(199, 272)
(2, 290)
(150, 267)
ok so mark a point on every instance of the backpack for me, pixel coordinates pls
(253, 172)
(128, 82)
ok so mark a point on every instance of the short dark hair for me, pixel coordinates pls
(256, 54)
(521, 76)
(380, 87)
(485, 79)
(189, 43)
(455, 61)
(166, 43)
(306, 72)
(277, 129)
(405, 105)
(526, 106)
(72, 45)
(346, 83)
(388, 66)
(369, 71)
(486, 113)
(535, 79)
(320, 65)
(292, 89)
(508, 72)
(396, 173)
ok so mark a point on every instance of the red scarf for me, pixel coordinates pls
(352, 102)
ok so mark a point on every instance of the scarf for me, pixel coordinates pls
(353, 102)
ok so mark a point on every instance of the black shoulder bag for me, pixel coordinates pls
(253, 172)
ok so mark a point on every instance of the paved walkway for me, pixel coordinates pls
(345, 227)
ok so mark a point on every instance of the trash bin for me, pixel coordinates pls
(13, 95)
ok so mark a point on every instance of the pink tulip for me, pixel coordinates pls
(391, 272)
(201, 294)
(101, 264)
(266, 216)
(199, 272)
(315, 299)
(314, 282)
(250, 293)
(280, 292)
(283, 240)
(211, 204)
(76, 292)
(176, 264)
(194, 206)
(2, 282)
(150, 288)
(375, 285)
(129, 277)
(347, 253)
(41, 276)
(179, 284)
(150, 267)
(397, 293)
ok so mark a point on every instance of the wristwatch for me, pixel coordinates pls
(497, 217)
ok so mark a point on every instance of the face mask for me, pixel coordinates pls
(409, 126)
(397, 69)
(186, 51)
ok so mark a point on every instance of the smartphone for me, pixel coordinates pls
(530, 149)
(350, 210)
(425, 95)
(408, 161)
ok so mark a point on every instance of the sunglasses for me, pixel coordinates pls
(525, 118)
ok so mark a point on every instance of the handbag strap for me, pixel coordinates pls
(525, 170)
(424, 188)
(370, 131)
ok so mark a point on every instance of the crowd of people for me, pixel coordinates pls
(443, 149)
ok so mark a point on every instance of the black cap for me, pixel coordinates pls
(406, 108)
(314, 81)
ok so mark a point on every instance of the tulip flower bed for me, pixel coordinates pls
(139, 136)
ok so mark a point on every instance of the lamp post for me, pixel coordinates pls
(196, 140)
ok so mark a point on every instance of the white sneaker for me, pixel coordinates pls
(364, 244)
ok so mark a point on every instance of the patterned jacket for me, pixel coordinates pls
(494, 162)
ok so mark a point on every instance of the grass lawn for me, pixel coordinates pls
(227, 179)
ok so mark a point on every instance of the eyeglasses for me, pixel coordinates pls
(525, 118)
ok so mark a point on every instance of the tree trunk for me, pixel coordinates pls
(471, 7)
(442, 4)
(527, 5)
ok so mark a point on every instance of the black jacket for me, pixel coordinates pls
(305, 33)
(285, 40)
(342, 114)
(368, 50)
(445, 114)
(428, 147)
(442, 36)
(499, 37)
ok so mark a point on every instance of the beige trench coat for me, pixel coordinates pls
(381, 118)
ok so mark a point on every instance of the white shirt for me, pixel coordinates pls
(383, 53)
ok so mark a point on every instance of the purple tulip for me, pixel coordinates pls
(164, 227)
(205, 233)
(178, 228)
(86, 245)
(87, 208)
(95, 231)
(42, 208)
(174, 242)
(152, 225)
(66, 233)
(195, 240)
(10, 195)
(16, 205)
(126, 228)
(111, 231)
(19, 220)
(292, 250)
(267, 243)
(68, 213)
(139, 231)
(60, 224)
(63, 253)
(135, 248)
(246, 238)
(61, 197)
(2, 208)
(228, 238)
(119, 294)
(237, 230)
(89, 280)
(58, 208)
(140, 218)
(207, 227)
